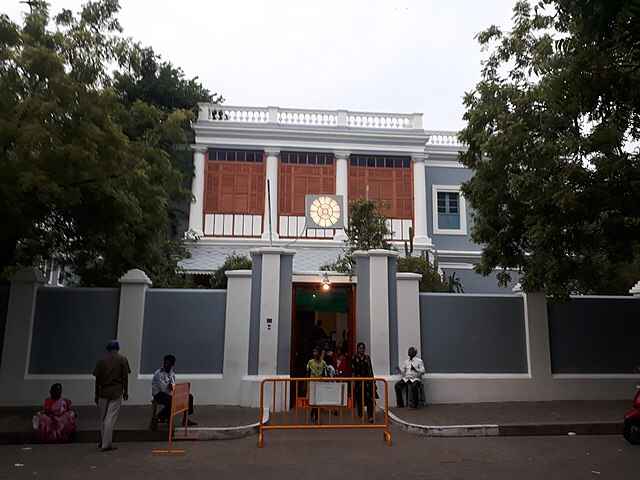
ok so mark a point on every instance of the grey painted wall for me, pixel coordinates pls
(392, 271)
(71, 327)
(363, 333)
(448, 176)
(284, 315)
(473, 334)
(254, 318)
(595, 335)
(473, 282)
(4, 305)
(186, 323)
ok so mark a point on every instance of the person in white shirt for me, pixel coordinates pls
(162, 388)
(411, 370)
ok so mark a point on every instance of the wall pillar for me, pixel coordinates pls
(196, 209)
(342, 188)
(270, 317)
(420, 235)
(376, 307)
(409, 332)
(18, 329)
(537, 335)
(271, 184)
(133, 294)
(236, 334)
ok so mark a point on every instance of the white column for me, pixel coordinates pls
(342, 188)
(408, 314)
(420, 235)
(272, 181)
(197, 191)
(133, 294)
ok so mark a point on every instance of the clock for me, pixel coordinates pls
(324, 211)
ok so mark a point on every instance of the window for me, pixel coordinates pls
(449, 210)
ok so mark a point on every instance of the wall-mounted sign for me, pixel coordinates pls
(324, 211)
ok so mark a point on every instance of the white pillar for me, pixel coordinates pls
(408, 314)
(18, 330)
(272, 181)
(635, 290)
(196, 211)
(236, 336)
(342, 188)
(420, 235)
(133, 294)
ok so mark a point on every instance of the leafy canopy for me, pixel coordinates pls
(552, 129)
(91, 169)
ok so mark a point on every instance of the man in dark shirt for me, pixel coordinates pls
(112, 381)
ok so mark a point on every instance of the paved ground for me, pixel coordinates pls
(18, 419)
(342, 455)
(521, 413)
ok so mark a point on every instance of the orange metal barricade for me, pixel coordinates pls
(324, 403)
(179, 404)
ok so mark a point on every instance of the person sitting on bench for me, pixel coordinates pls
(411, 370)
(162, 387)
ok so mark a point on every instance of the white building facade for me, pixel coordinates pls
(253, 167)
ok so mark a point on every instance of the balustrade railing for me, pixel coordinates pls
(441, 138)
(322, 118)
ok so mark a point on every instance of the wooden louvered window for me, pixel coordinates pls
(386, 180)
(303, 173)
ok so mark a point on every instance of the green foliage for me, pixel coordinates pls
(556, 185)
(367, 230)
(91, 172)
(232, 262)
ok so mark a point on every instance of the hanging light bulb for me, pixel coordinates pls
(326, 283)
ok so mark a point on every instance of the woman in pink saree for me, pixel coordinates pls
(57, 422)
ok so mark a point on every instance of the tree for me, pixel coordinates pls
(367, 229)
(88, 164)
(232, 262)
(550, 129)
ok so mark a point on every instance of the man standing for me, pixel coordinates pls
(162, 387)
(411, 370)
(112, 382)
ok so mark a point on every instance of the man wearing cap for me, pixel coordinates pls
(112, 382)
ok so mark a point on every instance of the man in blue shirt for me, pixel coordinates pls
(162, 389)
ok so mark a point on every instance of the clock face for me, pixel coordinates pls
(324, 211)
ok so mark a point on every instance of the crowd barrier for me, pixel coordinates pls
(179, 404)
(324, 403)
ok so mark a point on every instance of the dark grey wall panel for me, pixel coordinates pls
(473, 282)
(595, 335)
(71, 328)
(392, 269)
(188, 324)
(254, 317)
(4, 307)
(473, 334)
(363, 333)
(284, 315)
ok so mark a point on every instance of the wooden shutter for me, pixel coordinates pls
(391, 187)
(295, 181)
(234, 187)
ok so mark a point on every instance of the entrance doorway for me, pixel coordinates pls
(321, 318)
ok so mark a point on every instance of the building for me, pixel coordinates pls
(387, 157)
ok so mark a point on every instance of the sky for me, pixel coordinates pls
(373, 55)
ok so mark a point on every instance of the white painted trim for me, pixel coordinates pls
(32, 321)
(260, 378)
(459, 253)
(54, 377)
(462, 207)
(608, 297)
(338, 280)
(459, 266)
(594, 376)
(444, 164)
(439, 294)
(257, 242)
(186, 376)
(478, 376)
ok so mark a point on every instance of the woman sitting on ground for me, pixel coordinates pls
(57, 422)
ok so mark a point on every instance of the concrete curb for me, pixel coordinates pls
(139, 435)
(510, 430)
